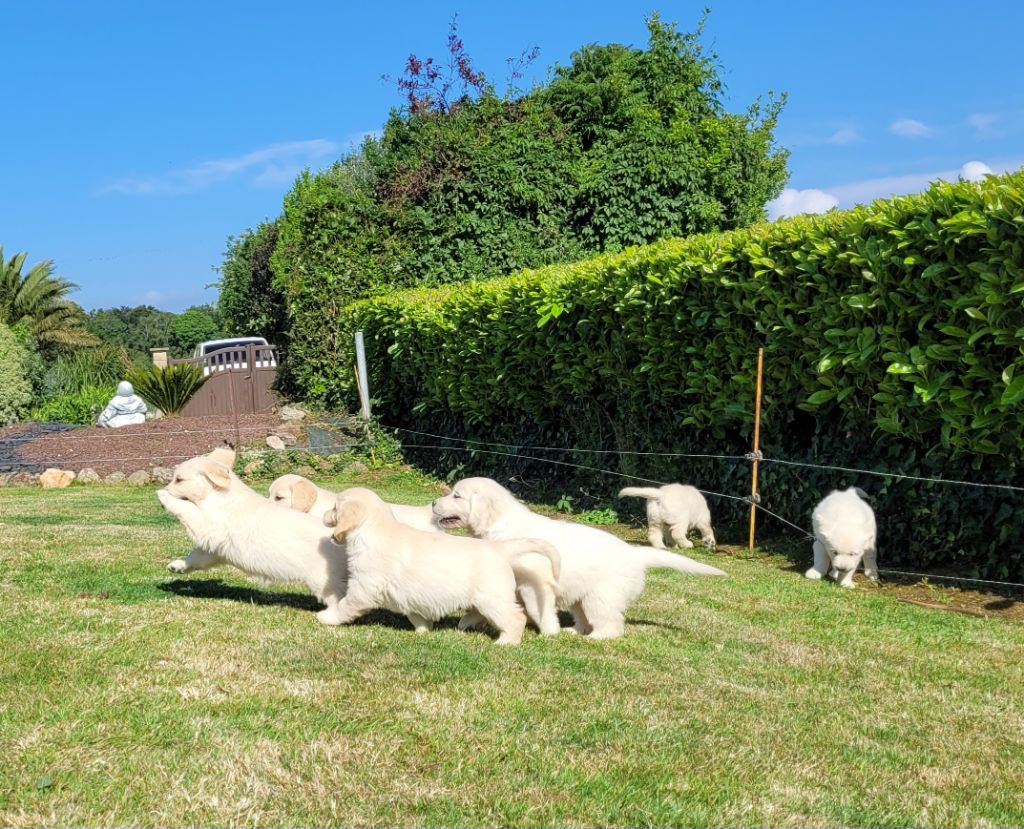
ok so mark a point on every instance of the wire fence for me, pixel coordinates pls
(497, 448)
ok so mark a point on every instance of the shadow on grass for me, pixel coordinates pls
(217, 589)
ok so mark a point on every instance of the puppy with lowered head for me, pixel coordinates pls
(302, 494)
(844, 535)
(231, 524)
(420, 574)
(600, 574)
(672, 510)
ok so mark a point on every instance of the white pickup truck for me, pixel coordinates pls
(234, 354)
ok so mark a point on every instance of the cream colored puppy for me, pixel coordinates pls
(231, 524)
(423, 575)
(302, 494)
(844, 535)
(600, 574)
(672, 510)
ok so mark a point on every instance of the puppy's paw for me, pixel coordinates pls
(179, 565)
(871, 574)
(812, 574)
(328, 617)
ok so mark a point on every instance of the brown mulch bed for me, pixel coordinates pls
(163, 442)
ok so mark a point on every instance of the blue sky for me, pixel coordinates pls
(140, 136)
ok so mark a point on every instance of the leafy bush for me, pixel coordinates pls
(623, 146)
(78, 407)
(101, 366)
(249, 305)
(15, 389)
(893, 339)
(167, 389)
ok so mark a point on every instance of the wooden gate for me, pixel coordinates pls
(238, 381)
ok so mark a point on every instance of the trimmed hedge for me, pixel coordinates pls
(893, 338)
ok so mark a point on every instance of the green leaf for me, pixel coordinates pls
(1013, 393)
(820, 397)
(901, 368)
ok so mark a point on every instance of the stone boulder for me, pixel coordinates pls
(291, 413)
(88, 476)
(275, 442)
(162, 474)
(139, 478)
(115, 478)
(355, 468)
(23, 479)
(287, 438)
(56, 478)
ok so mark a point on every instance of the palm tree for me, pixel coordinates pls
(39, 300)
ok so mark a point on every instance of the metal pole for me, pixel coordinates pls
(364, 383)
(757, 452)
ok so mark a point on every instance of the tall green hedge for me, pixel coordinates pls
(893, 335)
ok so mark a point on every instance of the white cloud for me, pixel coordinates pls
(792, 202)
(983, 123)
(867, 190)
(975, 171)
(273, 165)
(844, 136)
(909, 128)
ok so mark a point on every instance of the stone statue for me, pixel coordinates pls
(125, 408)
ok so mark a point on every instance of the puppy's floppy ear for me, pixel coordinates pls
(303, 495)
(445, 489)
(347, 514)
(216, 473)
(482, 512)
(224, 455)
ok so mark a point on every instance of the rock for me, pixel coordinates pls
(161, 474)
(114, 478)
(5, 477)
(88, 476)
(154, 414)
(274, 442)
(305, 471)
(139, 478)
(287, 439)
(291, 413)
(251, 467)
(23, 479)
(355, 468)
(56, 478)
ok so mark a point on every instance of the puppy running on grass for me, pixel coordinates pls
(424, 575)
(844, 535)
(231, 524)
(672, 510)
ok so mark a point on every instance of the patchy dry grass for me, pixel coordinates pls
(129, 695)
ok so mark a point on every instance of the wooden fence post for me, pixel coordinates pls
(756, 456)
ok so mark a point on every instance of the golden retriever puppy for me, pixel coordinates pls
(302, 494)
(844, 535)
(600, 574)
(423, 575)
(231, 524)
(672, 510)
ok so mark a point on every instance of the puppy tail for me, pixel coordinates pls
(674, 561)
(648, 492)
(526, 546)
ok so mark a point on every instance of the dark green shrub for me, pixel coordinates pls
(78, 407)
(103, 365)
(15, 388)
(893, 337)
(167, 389)
(623, 146)
(249, 304)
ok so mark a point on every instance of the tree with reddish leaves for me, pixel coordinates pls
(430, 88)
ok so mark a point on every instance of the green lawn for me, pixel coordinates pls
(130, 696)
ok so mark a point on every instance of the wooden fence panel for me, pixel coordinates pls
(239, 380)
